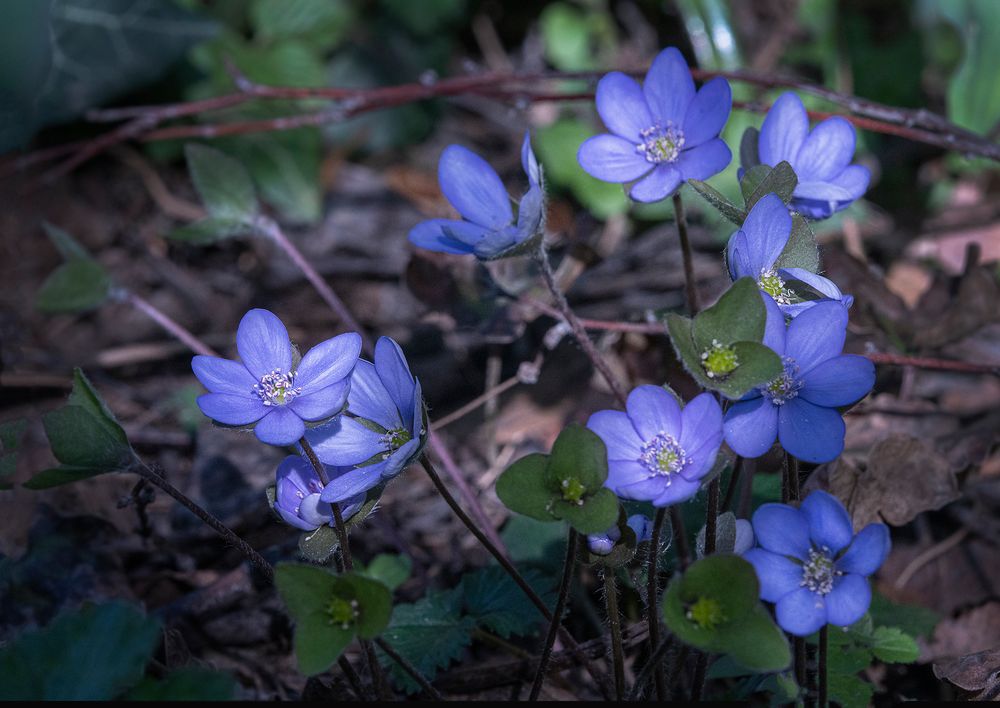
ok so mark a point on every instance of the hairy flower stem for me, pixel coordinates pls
(652, 606)
(823, 651)
(712, 517)
(615, 627)
(269, 227)
(257, 560)
(567, 575)
(409, 668)
(698, 683)
(353, 678)
(789, 494)
(690, 288)
(542, 257)
(167, 323)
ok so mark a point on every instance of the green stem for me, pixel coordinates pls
(652, 608)
(567, 575)
(823, 679)
(690, 289)
(615, 627)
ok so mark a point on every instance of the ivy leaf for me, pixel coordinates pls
(95, 654)
(717, 199)
(430, 634)
(223, 184)
(523, 487)
(762, 180)
(495, 601)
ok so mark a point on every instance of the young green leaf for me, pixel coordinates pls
(578, 454)
(523, 487)
(78, 285)
(594, 513)
(717, 199)
(738, 316)
(801, 250)
(893, 646)
(389, 569)
(223, 184)
(762, 180)
(209, 230)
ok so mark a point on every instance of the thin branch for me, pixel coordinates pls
(569, 563)
(168, 324)
(409, 668)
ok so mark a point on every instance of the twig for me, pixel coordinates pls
(409, 668)
(690, 287)
(930, 554)
(569, 563)
(476, 402)
(161, 318)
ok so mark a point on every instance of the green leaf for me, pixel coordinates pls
(319, 546)
(580, 454)
(801, 250)
(749, 142)
(739, 315)
(496, 602)
(75, 286)
(596, 514)
(575, 39)
(761, 180)
(209, 230)
(304, 588)
(323, 23)
(69, 248)
(430, 633)
(912, 619)
(679, 328)
(535, 542)
(727, 579)
(717, 199)
(223, 184)
(64, 474)
(10, 444)
(95, 654)
(523, 487)
(893, 646)
(374, 604)
(286, 168)
(973, 93)
(187, 684)
(389, 569)
(756, 642)
(850, 691)
(84, 395)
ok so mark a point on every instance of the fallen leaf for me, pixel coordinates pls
(973, 672)
(974, 630)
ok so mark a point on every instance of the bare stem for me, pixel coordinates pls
(698, 682)
(652, 607)
(352, 677)
(690, 288)
(171, 326)
(409, 668)
(578, 329)
(615, 627)
(256, 559)
(567, 575)
(823, 679)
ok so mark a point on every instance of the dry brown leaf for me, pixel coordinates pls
(973, 672)
(972, 631)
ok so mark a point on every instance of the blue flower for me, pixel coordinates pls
(661, 133)
(601, 544)
(828, 182)
(799, 408)
(487, 228)
(297, 495)
(754, 250)
(384, 430)
(812, 565)
(642, 526)
(656, 451)
(267, 389)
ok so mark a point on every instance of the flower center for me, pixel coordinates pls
(719, 361)
(818, 571)
(663, 456)
(771, 283)
(707, 613)
(276, 389)
(397, 438)
(573, 490)
(785, 387)
(342, 612)
(661, 144)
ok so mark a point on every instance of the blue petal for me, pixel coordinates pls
(496, 242)
(230, 409)
(744, 537)
(459, 238)
(530, 163)
(612, 159)
(618, 434)
(642, 526)
(784, 130)
(751, 427)
(280, 427)
(767, 226)
(775, 330)
(778, 576)
(853, 180)
(705, 160)
(809, 432)
(624, 474)
(292, 519)
(323, 403)
(350, 484)
(839, 381)
(622, 106)
(679, 490)
(223, 375)
(399, 459)
(474, 188)
(868, 551)
(395, 375)
(329, 362)
(701, 433)
(848, 601)
(669, 88)
(829, 524)
(826, 152)
(653, 410)
(801, 612)
(782, 529)
(344, 441)
(263, 344)
(708, 112)
(369, 398)
(659, 184)
(738, 257)
(817, 335)
(315, 512)
(297, 471)
(601, 544)
(530, 213)
(414, 420)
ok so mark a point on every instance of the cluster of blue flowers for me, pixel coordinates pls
(365, 420)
